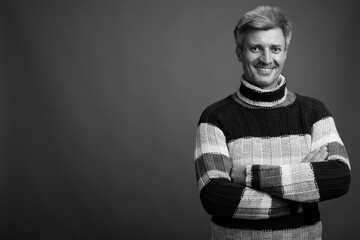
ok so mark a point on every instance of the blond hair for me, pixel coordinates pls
(262, 18)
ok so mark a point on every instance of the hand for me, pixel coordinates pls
(238, 175)
(317, 155)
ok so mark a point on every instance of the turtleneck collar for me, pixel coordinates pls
(258, 97)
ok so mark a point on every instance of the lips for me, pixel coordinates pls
(264, 70)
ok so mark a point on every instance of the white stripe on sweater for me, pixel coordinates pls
(324, 132)
(210, 139)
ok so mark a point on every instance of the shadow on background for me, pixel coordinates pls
(100, 102)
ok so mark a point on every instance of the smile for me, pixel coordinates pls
(264, 70)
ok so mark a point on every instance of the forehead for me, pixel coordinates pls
(265, 37)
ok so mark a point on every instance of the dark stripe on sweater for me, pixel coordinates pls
(220, 197)
(332, 175)
(262, 96)
(309, 216)
(296, 119)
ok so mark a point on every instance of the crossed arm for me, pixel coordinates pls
(238, 173)
(263, 191)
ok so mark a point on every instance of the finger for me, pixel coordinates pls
(320, 156)
(316, 157)
(324, 156)
(310, 155)
(306, 159)
(323, 148)
(324, 153)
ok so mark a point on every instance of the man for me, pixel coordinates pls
(265, 156)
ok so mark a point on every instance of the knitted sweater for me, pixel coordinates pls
(270, 132)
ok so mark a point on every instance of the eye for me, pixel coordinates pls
(254, 49)
(276, 50)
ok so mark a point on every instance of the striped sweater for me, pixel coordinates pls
(270, 132)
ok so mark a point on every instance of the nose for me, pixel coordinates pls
(266, 57)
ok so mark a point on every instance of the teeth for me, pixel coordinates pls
(265, 69)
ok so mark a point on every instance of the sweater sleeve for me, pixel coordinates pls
(223, 198)
(308, 182)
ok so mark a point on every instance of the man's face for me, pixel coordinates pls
(263, 57)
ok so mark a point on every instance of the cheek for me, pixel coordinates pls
(281, 64)
(250, 64)
(280, 60)
(249, 67)
(249, 58)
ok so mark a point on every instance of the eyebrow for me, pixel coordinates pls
(277, 45)
(271, 46)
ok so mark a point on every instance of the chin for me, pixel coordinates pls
(266, 82)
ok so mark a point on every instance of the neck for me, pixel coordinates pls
(256, 96)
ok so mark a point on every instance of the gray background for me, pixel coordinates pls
(100, 101)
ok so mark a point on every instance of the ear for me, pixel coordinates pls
(286, 49)
(238, 53)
